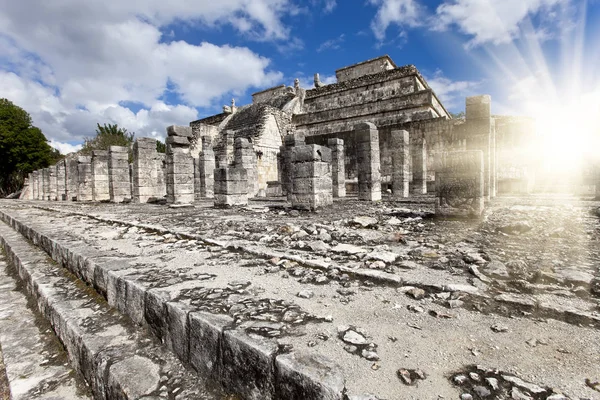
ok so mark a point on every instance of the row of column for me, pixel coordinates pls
(103, 176)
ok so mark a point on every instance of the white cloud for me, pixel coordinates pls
(332, 44)
(451, 93)
(65, 148)
(492, 21)
(329, 6)
(71, 63)
(404, 13)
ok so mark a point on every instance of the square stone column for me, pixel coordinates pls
(419, 173)
(61, 180)
(311, 174)
(35, 184)
(459, 184)
(46, 184)
(72, 179)
(160, 164)
(84, 178)
(206, 169)
(53, 183)
(338, 167)
(180, 165)
(119, 185)
(368, 161)
(26, 190)
(145, 172)
(100, 181)
(479, 134)
(289, 142)
(399, 148)
(231, 187)
(245, 157)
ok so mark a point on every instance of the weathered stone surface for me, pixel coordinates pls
(231, 187)
(302, 376)
(84, 178)
(311, 177)
(338, 167)
(182, 131)
(206, 333)
(400, 146)
(368, 162)
(459, 191)
(100, 185)
(61, 180)
(419, 160)
(146, 171)
(118, 174)
(479, 135)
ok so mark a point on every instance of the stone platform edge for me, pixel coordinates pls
(248, 366)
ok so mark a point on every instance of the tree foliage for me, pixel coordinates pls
(459, 115)
(161, 147)
(106, 136)
(23, 147)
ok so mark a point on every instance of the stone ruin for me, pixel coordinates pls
(380, 131)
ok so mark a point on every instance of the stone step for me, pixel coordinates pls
(251, 366)
(117, 359)
(35, 361)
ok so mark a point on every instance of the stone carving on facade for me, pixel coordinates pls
(318, 82)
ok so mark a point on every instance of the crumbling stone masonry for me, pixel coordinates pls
(311, 174)
(459, 184)
(180, 165)
(46, 184)
(479, 135)
(100, 186)
(206, 169)
(231, 187)
(84, 180)
(53, 183)
(420, 167)
(368, 162)
(289, 142)
(35, 184)
(338, 167)
(244, 157)
(145, 173)
(61, 180)
(119, 185)
(399, 148)
(72, 179)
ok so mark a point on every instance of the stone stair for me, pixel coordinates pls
(122, 333)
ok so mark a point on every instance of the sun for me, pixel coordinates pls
(568, 133)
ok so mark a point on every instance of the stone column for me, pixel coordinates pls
(61, 180)
(311, 174)
(53, 183)
(420, 167)
(72, 179)
(160, 166)
(493, 161)
(26, 189)
(479, 134)
(231, 187)
(459, 184)
(35, 184)
(119, 186)
(145, 173)
(245, 157)
(206, 167)
(289, 141)
(399, 148)
(46, 184)
(368, 161)
(180, 165)
(84, 178)
(100, 181)
(338, 167)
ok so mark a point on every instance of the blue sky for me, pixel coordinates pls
(147, 64)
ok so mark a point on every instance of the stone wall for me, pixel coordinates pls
(61, 180)
(72, 178)
(368, 67)
(84, 180)
(146, 170)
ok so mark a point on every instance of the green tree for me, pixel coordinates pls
(161, 147)
(23, 147)
(106, 136)
(459, 115)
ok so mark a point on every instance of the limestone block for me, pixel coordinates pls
(72, 179)
(460, 182)
(183, 131)
(301, 376)
(118, 174)
(61, 181)
(313, 152)
(206, 332)
(245, 356)
(178, 141)
(100, 180)
(368, 162)
(338, 167)
(399, 147)
(297, 139)
(84, 178)
(53, 183)
(35, 185)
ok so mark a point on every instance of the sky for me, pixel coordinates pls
(148, 64)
